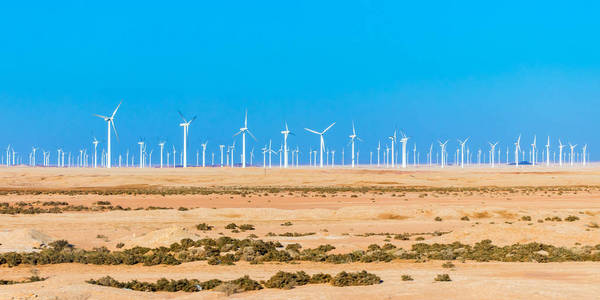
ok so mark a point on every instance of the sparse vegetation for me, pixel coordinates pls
(204, 227)
(355, 279)
(442, 277)
(407, 278)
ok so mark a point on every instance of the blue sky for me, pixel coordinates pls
(435, 69)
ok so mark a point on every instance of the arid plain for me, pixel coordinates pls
(351, 210)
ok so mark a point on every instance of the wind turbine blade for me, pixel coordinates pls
(100, 116)
(328, 128)
(286, 127)
(237, 133)
(182, 117)
(192, 120)
(115, 112)
(246, 119)
(115, 129)
(252, 135)
(310, 130)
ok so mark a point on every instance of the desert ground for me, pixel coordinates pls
(349, 209)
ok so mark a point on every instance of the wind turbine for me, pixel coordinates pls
(493, 147)
(403, 140)
(110, 121)
(378, 150)
(322, 147)
(533, 146)
(462, 152)
(204, 153)
(221, 147)
(548, 152)
(185, 125)
(517, 148)
(95, 142)
(162, 145)
(572, 148)
(353, 137)
(243, 131)
(285, 133)
(560, 150)
(393, 139)
(584, 154)
(141, 143)
(443, 151)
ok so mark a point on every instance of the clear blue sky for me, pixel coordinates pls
(435, 69)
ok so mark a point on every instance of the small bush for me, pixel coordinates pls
(438, 219)
(231, 226)
(442, 277)
(320, 278)
(181, 208)
(120, 245)
(245, 227)
(465, 218)
(407, 278)
(355, 279)
(288, 223)
(285, 280)
(448, 265)
(526, 218)
(571, 218)
(204, 227)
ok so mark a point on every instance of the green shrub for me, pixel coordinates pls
(245, 227)
(285, 280)
(231, 226)
(526, 218)
(465, 218)
(407, 278)
(571, 218)
(442, 277)
(204, 227)
(439, 219)
(355, 279)
(320, 278)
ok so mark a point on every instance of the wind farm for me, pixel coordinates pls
(299, 150)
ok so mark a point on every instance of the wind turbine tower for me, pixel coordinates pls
(285, 133)
(403, 140)
(443, 151)
(462, 152)
(243, 131)
(110, 121)
(185, 125)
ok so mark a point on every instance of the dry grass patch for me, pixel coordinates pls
(506, 214)
(390, 216)
(481, 215)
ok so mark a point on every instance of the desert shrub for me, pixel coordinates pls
(293, 247)
(320, 278)
(239, 285)
(245, 227)
(287, 223)
(285, 280)
(402, 237)
(571, 218)
(102, 202)
(419, 238)
(526, 218)
(448, 265)
(407, 278)
(227, 259)
(439, 219)
(204, 227)
(231, 226)
(465, 218)
(296, 234)
(181, 208)
(442, 277)
(120, 245)
(354, 279)
(33, 278)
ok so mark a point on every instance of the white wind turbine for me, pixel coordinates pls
(403, 140)
(322, 147)
(533, 146)
(221, 147)
(572, 148)
(584, 154)
(285, 133)
(560, 150)
(243, 131)
(110, 121)
(162, 146)
(391, 158)
(492, 152)
(185, 125)
(462, 152)
(517, 148)
(353, 137)
(548, 152)
(204, 153)
(95, 142)
(443, 151)
(378, 150)
(141, 143)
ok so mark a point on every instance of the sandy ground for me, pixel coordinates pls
(338, 219)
